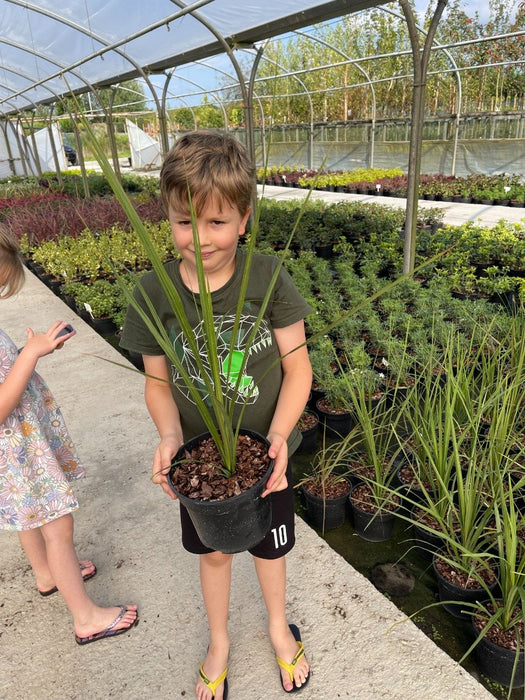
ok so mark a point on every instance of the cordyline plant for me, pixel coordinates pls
(218, 414)
(375, 442)
(479, 517)
(504, 608)
(444, 420)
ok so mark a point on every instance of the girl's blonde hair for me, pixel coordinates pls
(11, 266)
(206, 165)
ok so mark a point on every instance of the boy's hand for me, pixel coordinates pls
(278, 451)
(166, 450)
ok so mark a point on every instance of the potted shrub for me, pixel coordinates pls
(397, 366)
(498, 622)
(324, 488)
(374, 446)
(333, 408)
(464, 567)
(97, 303)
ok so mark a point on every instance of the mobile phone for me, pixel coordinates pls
(66, 330)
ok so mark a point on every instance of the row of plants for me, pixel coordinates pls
(39, 210)
(484, 260)
(367, 238)
(16, 187)
(365, 250)
(502, 189)
(446, 456)
(394, 335)
(88, 253)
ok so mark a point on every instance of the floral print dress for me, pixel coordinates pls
(37, 456)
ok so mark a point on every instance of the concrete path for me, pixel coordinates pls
(131, 530)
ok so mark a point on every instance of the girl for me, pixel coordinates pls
(37, 461)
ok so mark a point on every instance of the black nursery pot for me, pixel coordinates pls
(308, 438)
(497, 663)
(372, 527)
(233, 525)
(448, 591)
(337, 425)
(427, 543)
(324, 513)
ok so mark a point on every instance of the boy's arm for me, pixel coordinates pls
(295, 389)
(165, 415)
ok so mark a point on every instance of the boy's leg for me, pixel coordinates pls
(272, 579)
(215, 572)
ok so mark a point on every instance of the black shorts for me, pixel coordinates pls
(280, 538)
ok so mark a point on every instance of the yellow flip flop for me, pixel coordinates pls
(213, 685)
(289, 668)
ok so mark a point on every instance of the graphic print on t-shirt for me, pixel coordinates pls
(235, 377)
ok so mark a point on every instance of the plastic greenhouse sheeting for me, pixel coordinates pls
(145, 150)
(11, 157)
(17, 151)
(45, 151)
(49, 48)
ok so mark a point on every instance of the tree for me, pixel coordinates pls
(182, 118)
(209, 116)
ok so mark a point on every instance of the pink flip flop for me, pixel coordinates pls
(110, 630)
(86, 577)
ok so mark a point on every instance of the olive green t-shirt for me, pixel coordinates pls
(260, 383)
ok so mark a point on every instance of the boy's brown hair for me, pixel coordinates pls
(11, 266)
(207, 165)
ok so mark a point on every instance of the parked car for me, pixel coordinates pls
(71, 154)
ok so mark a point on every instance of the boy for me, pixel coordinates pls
(216, 171)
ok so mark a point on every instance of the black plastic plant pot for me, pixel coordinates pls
(498, 663)
(377, 527)
(324, 513)
(337, 425)
(232, 525)
(427, 542)
(372, 527)
(456, 595)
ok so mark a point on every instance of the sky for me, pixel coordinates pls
(469, 6)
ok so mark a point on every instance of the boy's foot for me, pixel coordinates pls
(87, 569)
(107, 622)
(213, 682)
(213, 685)
(293, 666)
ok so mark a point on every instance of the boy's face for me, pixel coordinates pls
(219, 226)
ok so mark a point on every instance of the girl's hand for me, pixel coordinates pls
(278, 451)
(166, 450)
(42, 344)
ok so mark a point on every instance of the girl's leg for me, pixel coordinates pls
(272, 579)
(34, 547)
(215, 572)
(88, 618)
